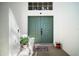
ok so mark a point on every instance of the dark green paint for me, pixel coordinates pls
(41, 27)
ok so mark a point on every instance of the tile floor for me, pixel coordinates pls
(49, 51)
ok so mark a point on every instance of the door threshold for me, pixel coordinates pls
(43, 44)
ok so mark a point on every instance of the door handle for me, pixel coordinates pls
(41, 32)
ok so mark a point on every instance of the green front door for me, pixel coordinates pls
(41, 27)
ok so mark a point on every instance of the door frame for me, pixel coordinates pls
(52, 25)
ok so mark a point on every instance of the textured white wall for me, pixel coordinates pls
(66, 26)
(14, 41)
(19, 9)
(4, 30)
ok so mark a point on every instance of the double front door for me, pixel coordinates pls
(41, 28)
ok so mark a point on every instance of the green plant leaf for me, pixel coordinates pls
(24, 40)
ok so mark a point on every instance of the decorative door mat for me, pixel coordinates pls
(41, 48)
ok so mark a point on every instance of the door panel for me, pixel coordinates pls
(46, 25)
(34, 28)
(41, 28)
(37, 30)
(31, 27)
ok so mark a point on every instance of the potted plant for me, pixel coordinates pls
(58, 45)
(24, 41)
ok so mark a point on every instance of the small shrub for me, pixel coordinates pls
(24, 40)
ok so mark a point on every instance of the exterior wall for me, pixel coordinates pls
(4, 30)
(66, 25)
(14, 41)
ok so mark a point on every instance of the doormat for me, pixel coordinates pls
(41, 48)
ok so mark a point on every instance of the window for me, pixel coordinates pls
(40, 6)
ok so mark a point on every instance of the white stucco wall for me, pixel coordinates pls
(14, 35)
(66, 26)
(4, 30)
(19, 10)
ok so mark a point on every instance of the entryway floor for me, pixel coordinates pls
(48, 50)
